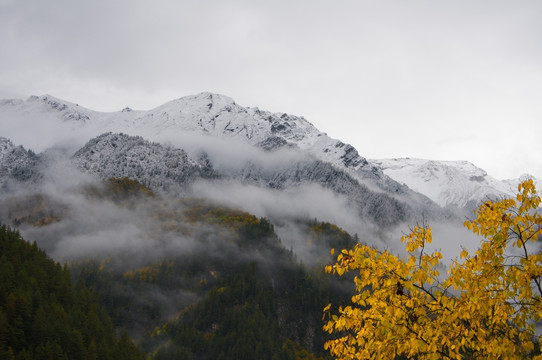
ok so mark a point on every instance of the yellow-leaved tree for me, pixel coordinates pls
(486, 306)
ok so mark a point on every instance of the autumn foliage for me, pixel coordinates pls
(485, 306)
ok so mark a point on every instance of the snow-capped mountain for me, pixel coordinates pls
(204, 114)
(449, 183)
(16, 163)
(380, 208)
(207, 115)
(159, 167)
(171, 171)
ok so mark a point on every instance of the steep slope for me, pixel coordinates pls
(159, 167)
(45, 122)
(16, 163)
(169, 169)
(449, 183)
(44, 316)
(204, 114)
(212, 116)
(377, 207)
(199, 119)
(219, 116)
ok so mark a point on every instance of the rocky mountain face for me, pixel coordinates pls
(326, 161)
(169, 170)
(161, 168)
(411, 185)
(379, 208)
(16, 163)
(167, 256)
(458, 184)
(204, 114)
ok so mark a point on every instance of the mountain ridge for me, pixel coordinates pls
(159, 167)
(16, 162)
(236, 214)
(218, 116)
(458, 184)
(205, 114)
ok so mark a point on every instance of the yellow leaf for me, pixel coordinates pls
(404, 307)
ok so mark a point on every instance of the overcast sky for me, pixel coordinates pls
(444, 80)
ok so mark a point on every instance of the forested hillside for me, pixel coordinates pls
(43, 315)
(235, 293)
(196, 236)
(241, 295)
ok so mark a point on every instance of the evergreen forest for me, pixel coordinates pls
(237, 293)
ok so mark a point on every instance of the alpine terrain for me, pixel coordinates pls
(198, 229)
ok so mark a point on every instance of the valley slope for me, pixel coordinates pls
(204, 226)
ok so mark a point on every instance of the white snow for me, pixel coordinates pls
(448, 183)
(51, 120)
(43, 122)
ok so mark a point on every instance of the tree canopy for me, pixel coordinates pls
(44, 316)
(486, 305)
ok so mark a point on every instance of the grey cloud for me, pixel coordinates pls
(303, 202)
(357, 69)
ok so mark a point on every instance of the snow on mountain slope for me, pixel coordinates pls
(220, 116)
(56, 121)
(43, 122)
(205, 113)
(16, 163)
(161, 168)
(379, 208)
(216, 116)
(171, 170)
(448, 183)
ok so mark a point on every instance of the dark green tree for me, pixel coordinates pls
(42, 316)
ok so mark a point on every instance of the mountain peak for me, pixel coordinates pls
(16, 162)
(70, 111)
(212, 96)
(159, 167)
(209, 114)
(448, 183)
(51, 101)
(206, 100)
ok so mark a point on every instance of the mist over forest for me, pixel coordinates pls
(197, 245)
(367, 191)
